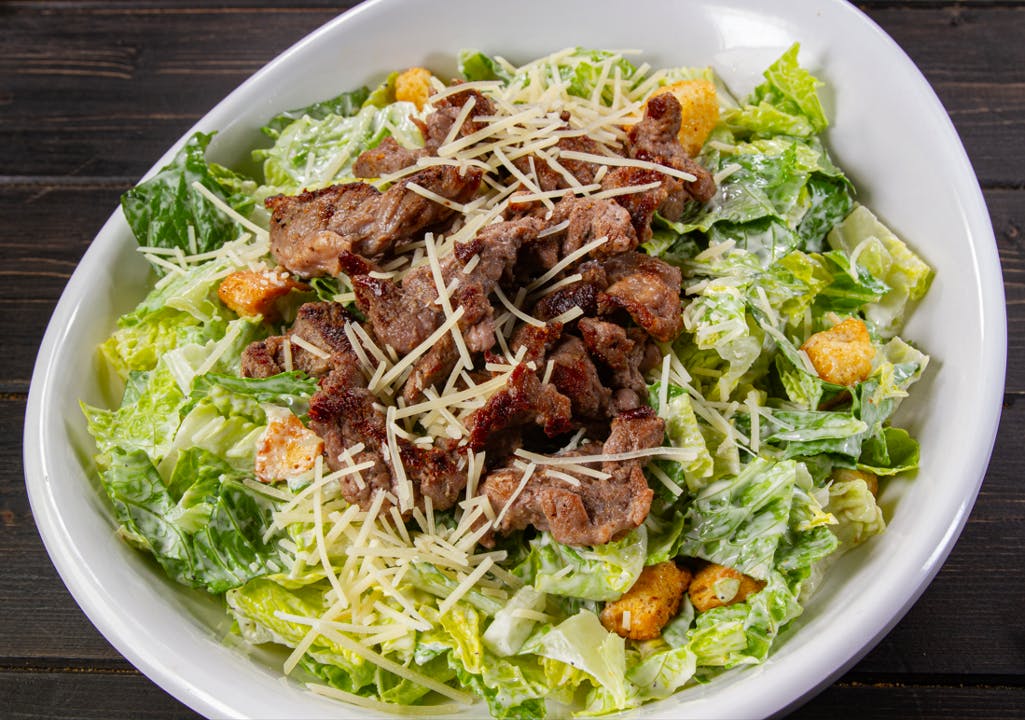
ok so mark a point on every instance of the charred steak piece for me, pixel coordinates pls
(655, 138)
(648, 289)
(320, 324)
(345, 416)
(523, 400)
(592, 511)
(310, 230)
(404, 316)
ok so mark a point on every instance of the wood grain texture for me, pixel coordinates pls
(93, 92)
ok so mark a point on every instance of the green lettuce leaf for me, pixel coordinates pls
(316, 152)
(475, 65)
(161, 210)
(889, 261)
(212, 536)
(787, 103)
(344, 105)
(583, 643)
(858, 516)
(739, 521)
(508, 631)
(603, 572)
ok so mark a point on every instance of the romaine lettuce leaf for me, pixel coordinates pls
(787, 103)
(508, 631)
(858, 516)
(475, 65)
(513, 687)
(212, 536)
(739, 521)
(684, 431)
(888, 260)
(258, 607)
(603, 572)
(343, 105)
(581, 642)
(161, 210)
(316, 152)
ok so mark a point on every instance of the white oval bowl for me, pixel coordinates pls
(890, 134)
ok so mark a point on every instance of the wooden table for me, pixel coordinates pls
(93, 92)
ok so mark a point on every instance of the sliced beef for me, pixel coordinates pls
(620, 355)
(431, 368)
(400, 213)
(305, 229)
(404, 316)
(309, 231)
(641, 206)
(387, 157)
(321, 324)
(637, 429)
(388, 311)
(438, 124)
(655, 138)
(589, 219)
(550, 177)
(522, 401)
(537, 341)
(575, 376)
(345, 416)
(592, 511)
(580, 294)
(648, 289)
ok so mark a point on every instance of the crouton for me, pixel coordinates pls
(843, 354)
(256, 292)
(871, 479)
(700, 111)
(286, 449)
(413, 85)
(715, 585)
(642, 612)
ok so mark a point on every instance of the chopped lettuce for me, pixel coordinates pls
(475, 65)
(603, 572)
(738, 521)
(166, 210)
(205, 528)
(343, 105)
(313, 152)
(858, 516)
(582, 643)
(889, 261)
(787, 103)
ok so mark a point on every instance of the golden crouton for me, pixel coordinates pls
(843, 354)
(256, 292)
(845, 475)
(642, 612)
(413, 85)
(286, 449)
(700, 111)
(715, 585)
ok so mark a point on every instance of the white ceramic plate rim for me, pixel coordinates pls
(220, 685)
